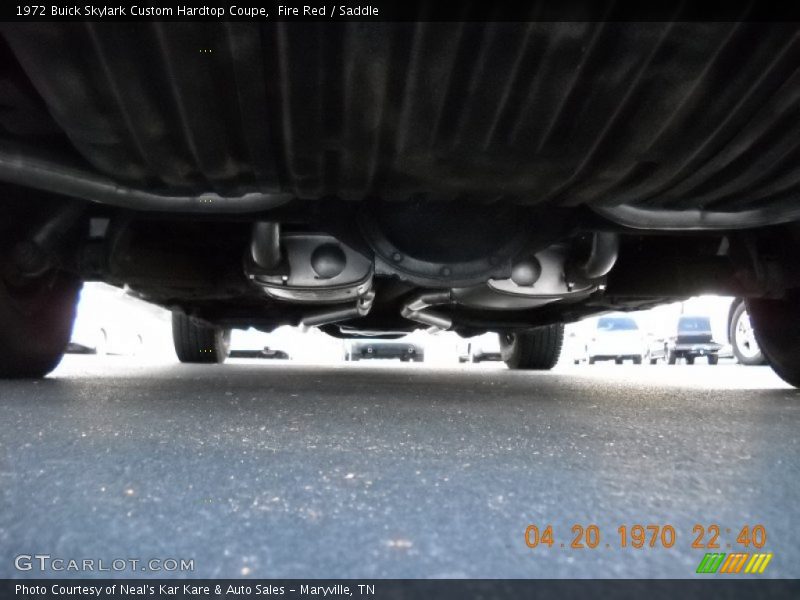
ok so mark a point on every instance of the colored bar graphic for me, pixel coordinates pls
(765, 562)
(711, 562)
(754, 563)
(719, 562)
(741, 562)
(734, 563)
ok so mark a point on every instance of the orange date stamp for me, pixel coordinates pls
(640, 536)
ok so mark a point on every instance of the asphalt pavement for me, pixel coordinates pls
(277, 470)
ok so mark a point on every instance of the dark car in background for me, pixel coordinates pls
(693, 339)
(265, 352)
(406, 351)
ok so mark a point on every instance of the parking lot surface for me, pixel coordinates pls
(257, 469)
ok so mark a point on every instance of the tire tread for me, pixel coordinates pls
(196, 343)
(538, 349)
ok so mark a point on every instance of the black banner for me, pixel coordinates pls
(397, 10)
(394, 589)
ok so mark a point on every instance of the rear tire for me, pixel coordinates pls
(777, 329)
(197, 343)
(36, 324)
(537, 349)
(713, 359)
(743, 342)
(690, 360)
(671, 357)
(637, 360)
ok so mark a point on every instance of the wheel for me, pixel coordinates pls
(592, 360)
(743, 339)
(617, 361)
(537, 349)
(637, 360)
(713, 359)
(36, 324)
(690, 360)
(671, 358)
(197, 343)
(653, 361)
(575, 361)
(777, 331)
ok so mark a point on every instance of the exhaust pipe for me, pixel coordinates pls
(24, 170)
(603, 256)
(335, 315)
(417, 309)
(265, 244)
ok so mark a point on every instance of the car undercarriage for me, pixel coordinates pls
(378, 178)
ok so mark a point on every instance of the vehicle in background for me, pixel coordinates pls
(693, 339)
(574, 351)
(265, 352)
(405, 350)
(252, 343)
(617, 338)
(480, 348)
(109, 321)
(742, 337)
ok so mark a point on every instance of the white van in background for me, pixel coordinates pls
(617, 338)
